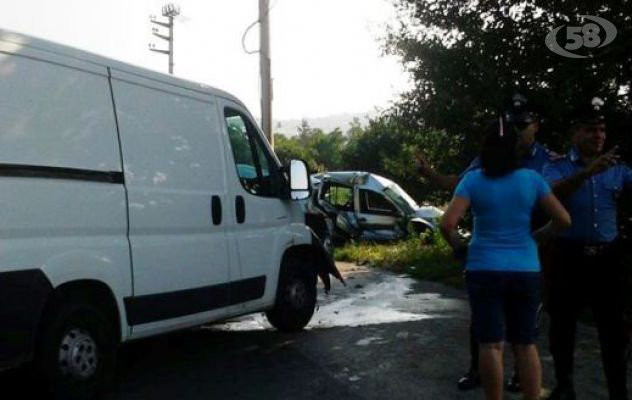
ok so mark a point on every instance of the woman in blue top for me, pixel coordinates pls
(502, 268)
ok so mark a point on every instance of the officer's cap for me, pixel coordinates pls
(519, 112)
(589, 112)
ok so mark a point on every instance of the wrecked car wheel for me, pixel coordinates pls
(421, 231)
(427, 237)
(296, 297)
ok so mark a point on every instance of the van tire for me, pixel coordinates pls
(296, 297)
(80, 331)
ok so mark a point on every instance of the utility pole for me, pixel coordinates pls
(265, 70)
(170, 11)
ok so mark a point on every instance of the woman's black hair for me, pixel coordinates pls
(499, 155)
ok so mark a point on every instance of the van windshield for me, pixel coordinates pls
(401, 198)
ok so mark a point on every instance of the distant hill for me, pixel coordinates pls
(289, 127)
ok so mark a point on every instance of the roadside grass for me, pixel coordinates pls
(427, 258)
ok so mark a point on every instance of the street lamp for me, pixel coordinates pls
(170, 11)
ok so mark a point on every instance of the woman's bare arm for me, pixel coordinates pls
(456, 210)
(560, 219)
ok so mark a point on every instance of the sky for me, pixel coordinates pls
(326, 56)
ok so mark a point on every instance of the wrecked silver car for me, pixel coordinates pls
(369, 207)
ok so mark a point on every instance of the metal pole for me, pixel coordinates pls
(265, 69)
(170, 11)
(171, 45)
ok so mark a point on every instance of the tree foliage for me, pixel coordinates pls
(321, 151)
(467, 57)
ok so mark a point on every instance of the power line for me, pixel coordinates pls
(243, 37)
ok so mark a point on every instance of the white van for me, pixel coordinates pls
(133, 204)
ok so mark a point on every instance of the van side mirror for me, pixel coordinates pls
(300, 187)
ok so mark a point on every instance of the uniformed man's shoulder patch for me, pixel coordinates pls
(552, 155)
(555, 158)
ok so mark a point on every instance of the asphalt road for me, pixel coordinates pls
(382, 337)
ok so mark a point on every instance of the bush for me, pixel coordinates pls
(418, 257)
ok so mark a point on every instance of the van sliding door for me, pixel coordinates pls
(174, 172)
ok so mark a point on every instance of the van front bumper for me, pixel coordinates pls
(23, 295)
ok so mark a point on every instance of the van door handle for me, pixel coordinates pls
(240, 209)
(361, 219)
(216, 210)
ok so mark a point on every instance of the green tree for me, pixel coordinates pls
(322, 151)
(467, 57)
(290, 149)
(386, 147)
(329, 149)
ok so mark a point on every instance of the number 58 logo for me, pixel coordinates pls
(582, 36)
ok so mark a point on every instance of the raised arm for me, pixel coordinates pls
(445, 182)
(565, 187)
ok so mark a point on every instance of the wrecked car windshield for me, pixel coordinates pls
(401, 198)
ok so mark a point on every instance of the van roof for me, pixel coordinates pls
(27, 41)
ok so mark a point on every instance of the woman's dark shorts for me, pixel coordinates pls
(504, 301)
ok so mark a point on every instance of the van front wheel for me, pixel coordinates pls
(76, 351)
(296, 298)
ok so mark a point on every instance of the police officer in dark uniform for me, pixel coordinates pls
(586, 271)
(521, 116)
(518, 114)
